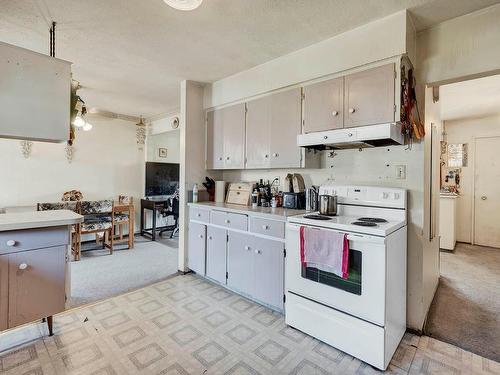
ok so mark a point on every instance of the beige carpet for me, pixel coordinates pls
(466, 308)
(99, 275)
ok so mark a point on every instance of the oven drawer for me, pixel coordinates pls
(199, 214)
(273, 228)
(354, 336)
(229, 220)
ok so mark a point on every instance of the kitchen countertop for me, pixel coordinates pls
(278, 213)
(38, 219)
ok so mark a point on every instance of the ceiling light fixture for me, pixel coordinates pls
(184, 4)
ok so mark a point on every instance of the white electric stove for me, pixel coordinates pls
(364, 315)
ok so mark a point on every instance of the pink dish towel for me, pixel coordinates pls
(325, 250)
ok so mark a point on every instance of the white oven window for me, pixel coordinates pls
(351, 285)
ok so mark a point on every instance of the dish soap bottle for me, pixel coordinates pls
(195, 193)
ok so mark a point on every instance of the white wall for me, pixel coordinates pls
(106, 163)
(464, 47)
(388, 37)
(465, 131)
(169, 140)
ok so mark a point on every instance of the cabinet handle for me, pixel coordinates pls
(209, 237)
(266, 156)
(325, 137)
(220, 157)
(227, 157)
(201, 235)
(227, 221)
(11, 243)
(198, 214)
(23, 266)
(276, 154)
(265, 227)
(335, 113)
(257, 251)
(247, 247)
(352, 110)
(349, 135)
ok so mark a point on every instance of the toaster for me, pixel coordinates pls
(296, 201)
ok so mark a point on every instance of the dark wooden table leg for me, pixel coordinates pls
(142, 220)
(50, 324)
(153, 232)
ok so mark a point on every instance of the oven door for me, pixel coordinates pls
(361, 295)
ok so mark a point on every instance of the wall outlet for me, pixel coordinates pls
(400, 172)
(277, 181)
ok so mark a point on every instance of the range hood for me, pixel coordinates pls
(361, 137)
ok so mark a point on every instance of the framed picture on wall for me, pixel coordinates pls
(162, 152)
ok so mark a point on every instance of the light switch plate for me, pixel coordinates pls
(400, 172)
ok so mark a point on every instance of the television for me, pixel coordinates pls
(161, 178)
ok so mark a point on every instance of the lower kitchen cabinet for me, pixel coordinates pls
(216, 254)
(240, 268)
(255, 267)
(4, 291)
(196, 250)
(248, 259)
(36, 284)
(268, 267)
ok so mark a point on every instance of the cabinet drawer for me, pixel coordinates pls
(30, 239)
(230, 220)
(268, 227)
(199, 214)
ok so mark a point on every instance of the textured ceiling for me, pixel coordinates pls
(130, 55)
(474, 98)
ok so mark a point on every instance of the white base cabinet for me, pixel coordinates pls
(250, 262)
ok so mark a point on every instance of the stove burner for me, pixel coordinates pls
(317, 217)
(364, 224)
(372, 220)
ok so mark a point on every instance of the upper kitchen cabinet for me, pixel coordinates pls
(226, 138)
(323, 105)
(369, 97)
(273, 123)
(35, 94)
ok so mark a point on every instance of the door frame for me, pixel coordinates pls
(473, 195)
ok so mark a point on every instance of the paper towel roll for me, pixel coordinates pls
(220, 191)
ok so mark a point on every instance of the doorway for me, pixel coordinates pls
(465, 308)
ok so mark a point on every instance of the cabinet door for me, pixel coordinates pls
(369, 97)
(4, 291)
(240, 255)
(215, 140)
(196, 248)
(323, 105)
(268, 266)
(36, 284)
(216, 254)
(234, 136)
(258, 143)
(285, 125)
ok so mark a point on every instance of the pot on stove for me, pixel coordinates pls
(328, 205)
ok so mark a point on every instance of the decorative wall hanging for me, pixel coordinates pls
(70, 152)
(26, 147)
(141, 133)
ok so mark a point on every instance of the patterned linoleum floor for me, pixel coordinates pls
(186, 325)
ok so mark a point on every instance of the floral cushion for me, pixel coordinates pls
(121, 217)
(96, 207)
(97, 218)
(94, 226)
(72, 206)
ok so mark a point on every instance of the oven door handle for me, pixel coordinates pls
(350, 236)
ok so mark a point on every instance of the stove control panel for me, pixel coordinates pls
(369, 195)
